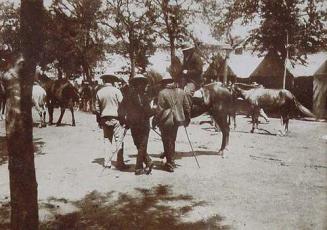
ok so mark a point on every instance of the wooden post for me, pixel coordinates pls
(19, 125)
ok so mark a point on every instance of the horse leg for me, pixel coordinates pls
(264, 115)
(73, 117)
(62, 111)
(253, 120)
(50, 111)
(44, 117)
(221, 120)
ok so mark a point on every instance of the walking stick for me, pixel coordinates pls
(189, 141)
(156, 132)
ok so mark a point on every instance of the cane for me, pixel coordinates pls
(189, 141)
(156, 132)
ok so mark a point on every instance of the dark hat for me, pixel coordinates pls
(167, 79)
(139, 78)
(109, 78)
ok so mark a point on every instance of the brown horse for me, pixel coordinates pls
(217, 102)
(280, 99)
(59, 93)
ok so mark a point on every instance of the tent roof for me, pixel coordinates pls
(322, 69)
(244, 64)
(271, 66)
(314, 61)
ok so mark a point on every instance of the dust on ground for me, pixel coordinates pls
(264, 181)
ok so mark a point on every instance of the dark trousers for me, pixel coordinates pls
(168, 136)
(140, 134)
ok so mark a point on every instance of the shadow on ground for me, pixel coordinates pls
(156, 208)
(146, 209)
(38, 144)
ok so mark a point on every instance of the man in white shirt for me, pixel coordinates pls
(108, 100)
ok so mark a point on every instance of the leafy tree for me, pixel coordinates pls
(75, 37)
(174, 17)
(131, 23)
(9, 25)
(298, 21)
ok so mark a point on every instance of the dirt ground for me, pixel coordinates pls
(264, 182)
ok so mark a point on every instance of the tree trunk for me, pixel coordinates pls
(132, 52)
(23, 185)
(172, 49)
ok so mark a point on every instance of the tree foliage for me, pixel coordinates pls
(301, 21)
(174, 17)
(132, 25)
(75, 37)
(9, 25)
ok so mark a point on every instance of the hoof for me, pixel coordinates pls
(58, 124)
(73, 124)
(221, 153)
(252, 131)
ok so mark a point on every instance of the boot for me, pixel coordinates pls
(139, 165)
(139, 172)
(149, 165)
(120, 165)
(169, 167)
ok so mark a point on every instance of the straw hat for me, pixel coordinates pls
(109, 78)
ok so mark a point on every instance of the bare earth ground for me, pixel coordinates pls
(264, 182)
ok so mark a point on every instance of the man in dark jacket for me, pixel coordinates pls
(192, 69)
(135, 112)
(173, 110)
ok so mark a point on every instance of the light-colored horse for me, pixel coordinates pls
(39, 102)
(280, 99)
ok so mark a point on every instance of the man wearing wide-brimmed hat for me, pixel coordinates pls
(135, 111)
(108, 100)
(173, 110)
(192, 68)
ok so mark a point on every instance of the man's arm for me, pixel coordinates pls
(187, 108)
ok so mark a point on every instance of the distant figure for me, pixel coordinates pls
(107, 102)
(135, 112)
(173, 110)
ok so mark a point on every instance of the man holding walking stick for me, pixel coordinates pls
(108, 100)
(173, 110)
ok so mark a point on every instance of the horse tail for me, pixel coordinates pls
(303, 109)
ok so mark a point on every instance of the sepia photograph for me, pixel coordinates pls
(163, 114)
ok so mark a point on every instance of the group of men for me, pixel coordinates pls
(116, 113)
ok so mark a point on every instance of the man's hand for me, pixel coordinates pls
(185, 71)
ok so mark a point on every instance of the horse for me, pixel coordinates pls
(281, 99)
(239, 104)
(217, 102)
(39, 102)
(59, 93)
(86, 93)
